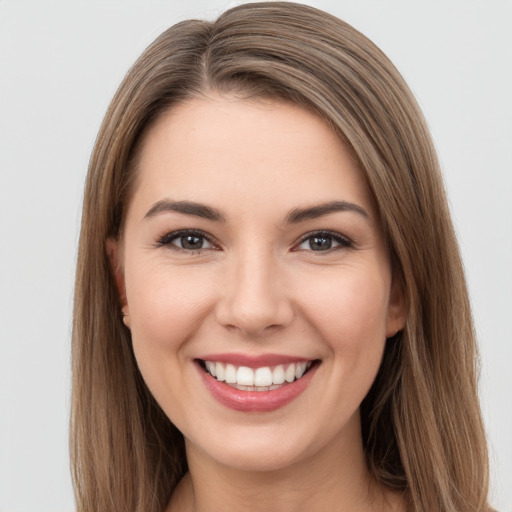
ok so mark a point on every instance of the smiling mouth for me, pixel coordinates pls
(265, 378)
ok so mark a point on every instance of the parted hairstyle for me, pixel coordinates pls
(421, 422)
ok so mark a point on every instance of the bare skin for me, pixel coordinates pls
(251, 231)
(314, 488)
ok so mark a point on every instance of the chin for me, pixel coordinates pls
(257, 459)
(255, 450)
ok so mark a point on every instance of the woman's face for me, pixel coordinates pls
(252, 251)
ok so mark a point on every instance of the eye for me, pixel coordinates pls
(187, 240)
(323, 241)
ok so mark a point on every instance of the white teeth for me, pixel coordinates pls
(289, 374)
(211, 367)
(252, 388)
(258, 379)
(245, 376)
(219, 371)
(299, 370)
(278, 375)
(230, 374)
(263, 377)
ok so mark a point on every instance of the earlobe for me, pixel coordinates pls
(114, 252)
(126, 316)
(397, 309)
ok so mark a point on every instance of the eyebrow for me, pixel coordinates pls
(186, 207)
(294, 217)
(301, 214)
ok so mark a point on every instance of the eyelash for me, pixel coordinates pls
(168, 239)
(343, 241)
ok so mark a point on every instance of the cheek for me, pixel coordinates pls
(166, 308)
(349, 306)
(349, 312)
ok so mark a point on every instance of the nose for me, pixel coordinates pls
(254, 299)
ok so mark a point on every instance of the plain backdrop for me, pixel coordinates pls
(60, 63)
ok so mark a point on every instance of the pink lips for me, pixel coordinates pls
(255, 401)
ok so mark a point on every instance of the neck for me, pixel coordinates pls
(335, 479)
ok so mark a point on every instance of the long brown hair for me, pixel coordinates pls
(421, 422)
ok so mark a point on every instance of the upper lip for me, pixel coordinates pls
(254, 361)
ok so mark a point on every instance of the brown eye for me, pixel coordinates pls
(323, 242)
(189, 242)
(320, 243)
(186, 241)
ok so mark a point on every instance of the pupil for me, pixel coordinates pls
(191, 242)
(319, 243)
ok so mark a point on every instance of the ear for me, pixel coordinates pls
(114, 252)
(397, 308)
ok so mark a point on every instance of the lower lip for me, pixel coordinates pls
(256, 401)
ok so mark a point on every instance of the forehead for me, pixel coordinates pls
(222, 148)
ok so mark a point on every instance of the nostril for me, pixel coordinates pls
(255, 317)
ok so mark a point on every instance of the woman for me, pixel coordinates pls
(270, 311)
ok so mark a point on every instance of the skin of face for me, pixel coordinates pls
(256, 286)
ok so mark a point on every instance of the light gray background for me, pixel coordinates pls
(60, 63)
